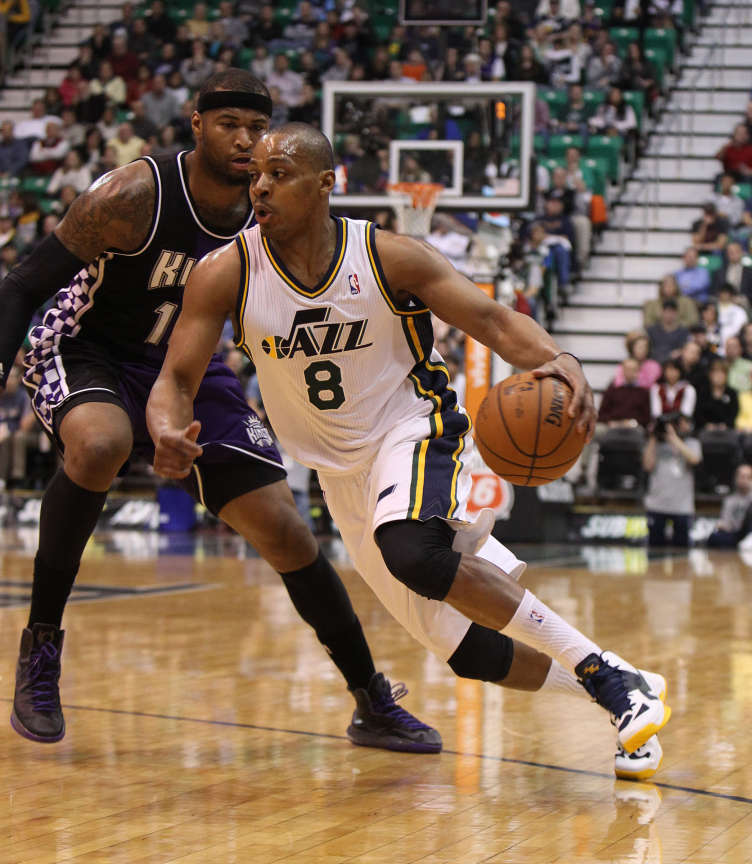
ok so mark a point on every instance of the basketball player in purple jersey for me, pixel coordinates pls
(123, 253)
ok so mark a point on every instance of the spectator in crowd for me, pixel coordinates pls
(108, 124)
(625, 402)
(288, 83)
(198, 23)
(693, 280)
(178, 87)
(194, 70)
(745, 337)
(338, 71)
(583, 227)
(124, 62)
(668, 289)
(100, 42)
(712, 328)
(731, 316)
(710, 231)
(47, 153)
(736, 154)
(92, 150)
(693, 368)
(68, 88)
(267, 29)
(735, 273)
(71, 129)
(669, 458)
(72, 172)
(124, 25)
(735, 521)
(17, 428)
(729, 205)
(672, 393)
(604, 69)
(34, 126)
(718, 405)
(111, 86)
(615, 116)
(126, 145)
(138, 86)
(14, 152)
(166, 144)
(637, 344)
(529, 68)
(142, 126)
(667, 335)
(141, 42)
(739, 368)
(160, 105)
(562, 62)
(638, 74)
(452, 239)
(159, 24)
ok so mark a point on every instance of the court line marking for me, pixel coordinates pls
(303, 732)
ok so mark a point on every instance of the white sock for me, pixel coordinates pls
(559, 680)
(540, 627)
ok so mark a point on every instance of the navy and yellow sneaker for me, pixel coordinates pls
(640, 765)
(636, 708)
(379, 722)
(37, 714)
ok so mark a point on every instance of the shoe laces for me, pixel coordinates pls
(43, 674)
(609, 690)
(386, 703)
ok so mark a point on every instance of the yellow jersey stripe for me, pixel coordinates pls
(245, 267)
(420, 479)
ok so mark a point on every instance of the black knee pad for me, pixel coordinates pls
(484, 654)
(420, 555)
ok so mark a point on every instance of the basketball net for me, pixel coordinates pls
(413, 204)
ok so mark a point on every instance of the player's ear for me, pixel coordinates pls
(196, 121)
(327, 181)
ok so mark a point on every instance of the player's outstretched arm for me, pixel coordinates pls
(113, 213)
(208, 300)
(413, 268)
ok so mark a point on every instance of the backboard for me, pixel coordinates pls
(476, 139)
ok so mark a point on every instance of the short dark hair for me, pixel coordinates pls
(315, 144)
(670, 303)
(233, 79)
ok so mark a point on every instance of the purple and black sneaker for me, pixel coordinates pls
(379, 722)
(37, 714)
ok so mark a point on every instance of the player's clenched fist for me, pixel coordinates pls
(176, 450)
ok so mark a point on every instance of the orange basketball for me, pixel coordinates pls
(523, 431)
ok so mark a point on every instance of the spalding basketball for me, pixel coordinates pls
(524, 432)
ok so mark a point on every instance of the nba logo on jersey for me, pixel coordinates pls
(354, 284)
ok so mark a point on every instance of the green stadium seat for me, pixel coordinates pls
(37, 185)
(539, 144)
(592, 99)
(557, 101)
(743, 190)
(609, 148)
(636, 98)
(550, 164)
(603, 8)
(622, 36)
(244, 57)
(658, 58)
(665, 39)
(710, 262)
(688, 13)
(595, 174)
(559, 144)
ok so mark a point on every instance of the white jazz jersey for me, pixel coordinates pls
(340, 365)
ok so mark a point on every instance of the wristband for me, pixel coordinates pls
(561, 353)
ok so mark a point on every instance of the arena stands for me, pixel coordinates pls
(117, 81)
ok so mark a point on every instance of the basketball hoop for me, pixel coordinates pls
(413, 204)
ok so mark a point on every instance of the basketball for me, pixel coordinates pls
(523, 431)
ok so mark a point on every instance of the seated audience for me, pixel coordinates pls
(735, 521)
(736, 154)
(718, 404)
(693, 280)
(671, 393)
(739, 368)
(731, 316)
(667, 335)
(729, 205)
(710, 231)
(734, 272)
(668, 289)
(638, 347)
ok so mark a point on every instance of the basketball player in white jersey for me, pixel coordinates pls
(336, 316)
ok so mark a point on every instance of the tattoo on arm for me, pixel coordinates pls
(114, 212)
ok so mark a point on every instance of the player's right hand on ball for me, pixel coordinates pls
(176, 450)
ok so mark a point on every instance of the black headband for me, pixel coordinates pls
(234, 99)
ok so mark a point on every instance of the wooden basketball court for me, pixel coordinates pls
(206, 724)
